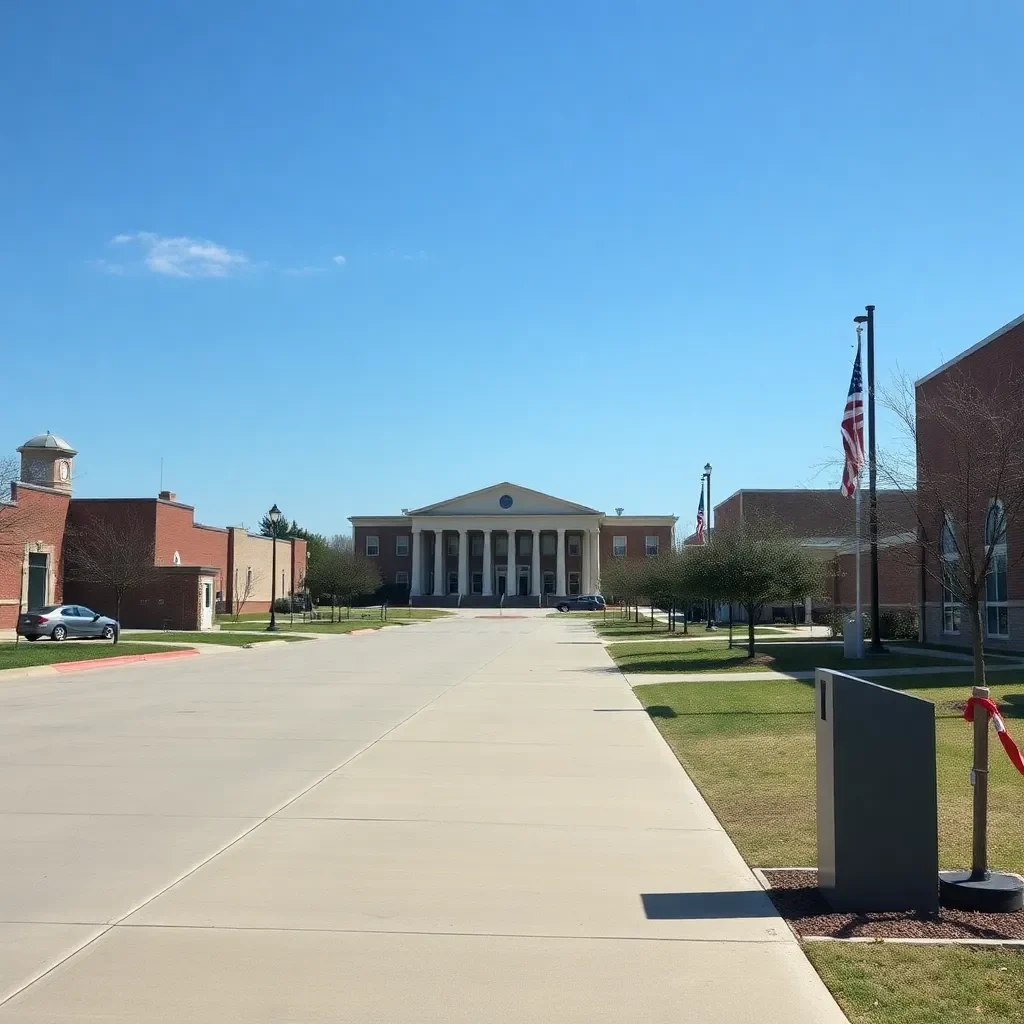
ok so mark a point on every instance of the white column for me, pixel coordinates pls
(463, 562)
(438, 563)
(560, 566)
(488, 571)
(415, 578)
(585, 562)
(535, 565)
(595, 560)
(511, 583)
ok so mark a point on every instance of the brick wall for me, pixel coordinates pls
(386, 560)
(36, 517)
(176, 530)
(635, 539)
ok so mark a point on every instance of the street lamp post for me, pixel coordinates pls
(274, 515)
(707, 477)
(876, 639)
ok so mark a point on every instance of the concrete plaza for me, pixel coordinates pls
(467, 820)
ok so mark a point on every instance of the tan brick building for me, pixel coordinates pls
(504, 541)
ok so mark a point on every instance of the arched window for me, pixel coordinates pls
(950, 565)
(997, 621)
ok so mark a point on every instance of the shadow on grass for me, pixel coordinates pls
(661, 711)
(702, 906)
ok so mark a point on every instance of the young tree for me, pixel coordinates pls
(117, 555)
(343, 573)
(244, 588)
(755, 566)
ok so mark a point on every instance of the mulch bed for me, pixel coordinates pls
(797, 898)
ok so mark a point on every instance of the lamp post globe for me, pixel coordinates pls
(274, 515)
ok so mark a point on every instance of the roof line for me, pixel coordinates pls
(1005, 329)
(504, 483)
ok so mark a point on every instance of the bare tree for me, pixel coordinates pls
(963, 443)
(11, 516)
(244, 591)
(118, 555)
(343, 573)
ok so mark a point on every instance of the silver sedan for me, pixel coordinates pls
(64, 621)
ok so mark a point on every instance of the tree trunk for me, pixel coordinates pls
(730, 624)
(637, 611)
(750, 630)
(686, 620)
(117, 616)
(652, 614)
(977, 642)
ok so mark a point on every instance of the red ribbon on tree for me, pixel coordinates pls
(989, 707)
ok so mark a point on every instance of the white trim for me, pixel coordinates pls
(408, 545)
(1005, 329)
(625, 545)
(657, 545)
(656, 520)
(376, 539)
(376, 520)
(573, 506)
(401, 583)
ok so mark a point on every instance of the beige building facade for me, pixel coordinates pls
(252, 567)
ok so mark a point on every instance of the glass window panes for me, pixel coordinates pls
(453, 583)
(549, 583)
(477, 583)
(619, 547)
(548, 543)
(372, 546)
(574, 543)
(501, 545)
(525, 543)
(402, 579)
(651, 545)
(402, 544)
(574, 583)
(476, 544)
(453, 543)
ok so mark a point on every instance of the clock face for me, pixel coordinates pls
(64, 470)
(37, 470)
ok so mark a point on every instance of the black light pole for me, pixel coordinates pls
(274, 515)
(876, 638)
(707, 526)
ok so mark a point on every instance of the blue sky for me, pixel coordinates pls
(587, 246)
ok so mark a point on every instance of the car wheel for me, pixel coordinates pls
(34, 636)
(563, 607)
(59, 633)
(108, 632)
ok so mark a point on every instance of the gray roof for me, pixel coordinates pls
(48, 440)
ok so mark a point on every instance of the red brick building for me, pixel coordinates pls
(503, 541)
(824, 521)
(196, 567)
(960, 408)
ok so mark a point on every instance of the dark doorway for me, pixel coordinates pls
(36, 580)
(524, 585)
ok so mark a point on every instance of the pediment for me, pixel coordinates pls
(502, 498)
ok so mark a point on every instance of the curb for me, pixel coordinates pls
(126, 659)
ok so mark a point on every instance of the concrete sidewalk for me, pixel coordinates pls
(473, 823)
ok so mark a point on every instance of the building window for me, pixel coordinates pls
(401, 579)
(548, 543)
(549, 582)
(476, 545)
(997, 622)
(372, 546)
(477, 583)
(574, 543)
(650, 546)
(574, 584)
(501, 545)
(453, 582)
(525, 543)
(619, 547)
(402, 544)
(453, 544)
(950, 564)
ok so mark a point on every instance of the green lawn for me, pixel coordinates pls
(782, 656)
(225, 639)
(749, 747)
(899, 984)
(626, 629)
(345, 626)
(46, 652)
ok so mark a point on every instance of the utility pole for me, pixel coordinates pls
(876, 638)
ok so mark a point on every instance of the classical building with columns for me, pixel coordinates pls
(504, 541)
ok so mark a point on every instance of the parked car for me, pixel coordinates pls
(581, 603)
(61, 621)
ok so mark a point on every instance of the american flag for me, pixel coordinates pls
(701, 539)
(853, 430)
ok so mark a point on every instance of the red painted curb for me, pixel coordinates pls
(124, 659)
(361, 632)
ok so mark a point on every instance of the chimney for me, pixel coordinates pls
(167, 496)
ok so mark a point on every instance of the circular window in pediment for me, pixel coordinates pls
(505, 501)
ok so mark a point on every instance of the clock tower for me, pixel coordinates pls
(46, 462)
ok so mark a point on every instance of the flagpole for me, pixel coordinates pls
(860, 621)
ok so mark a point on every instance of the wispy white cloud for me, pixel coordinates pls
(340, 260)
(182, 256)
